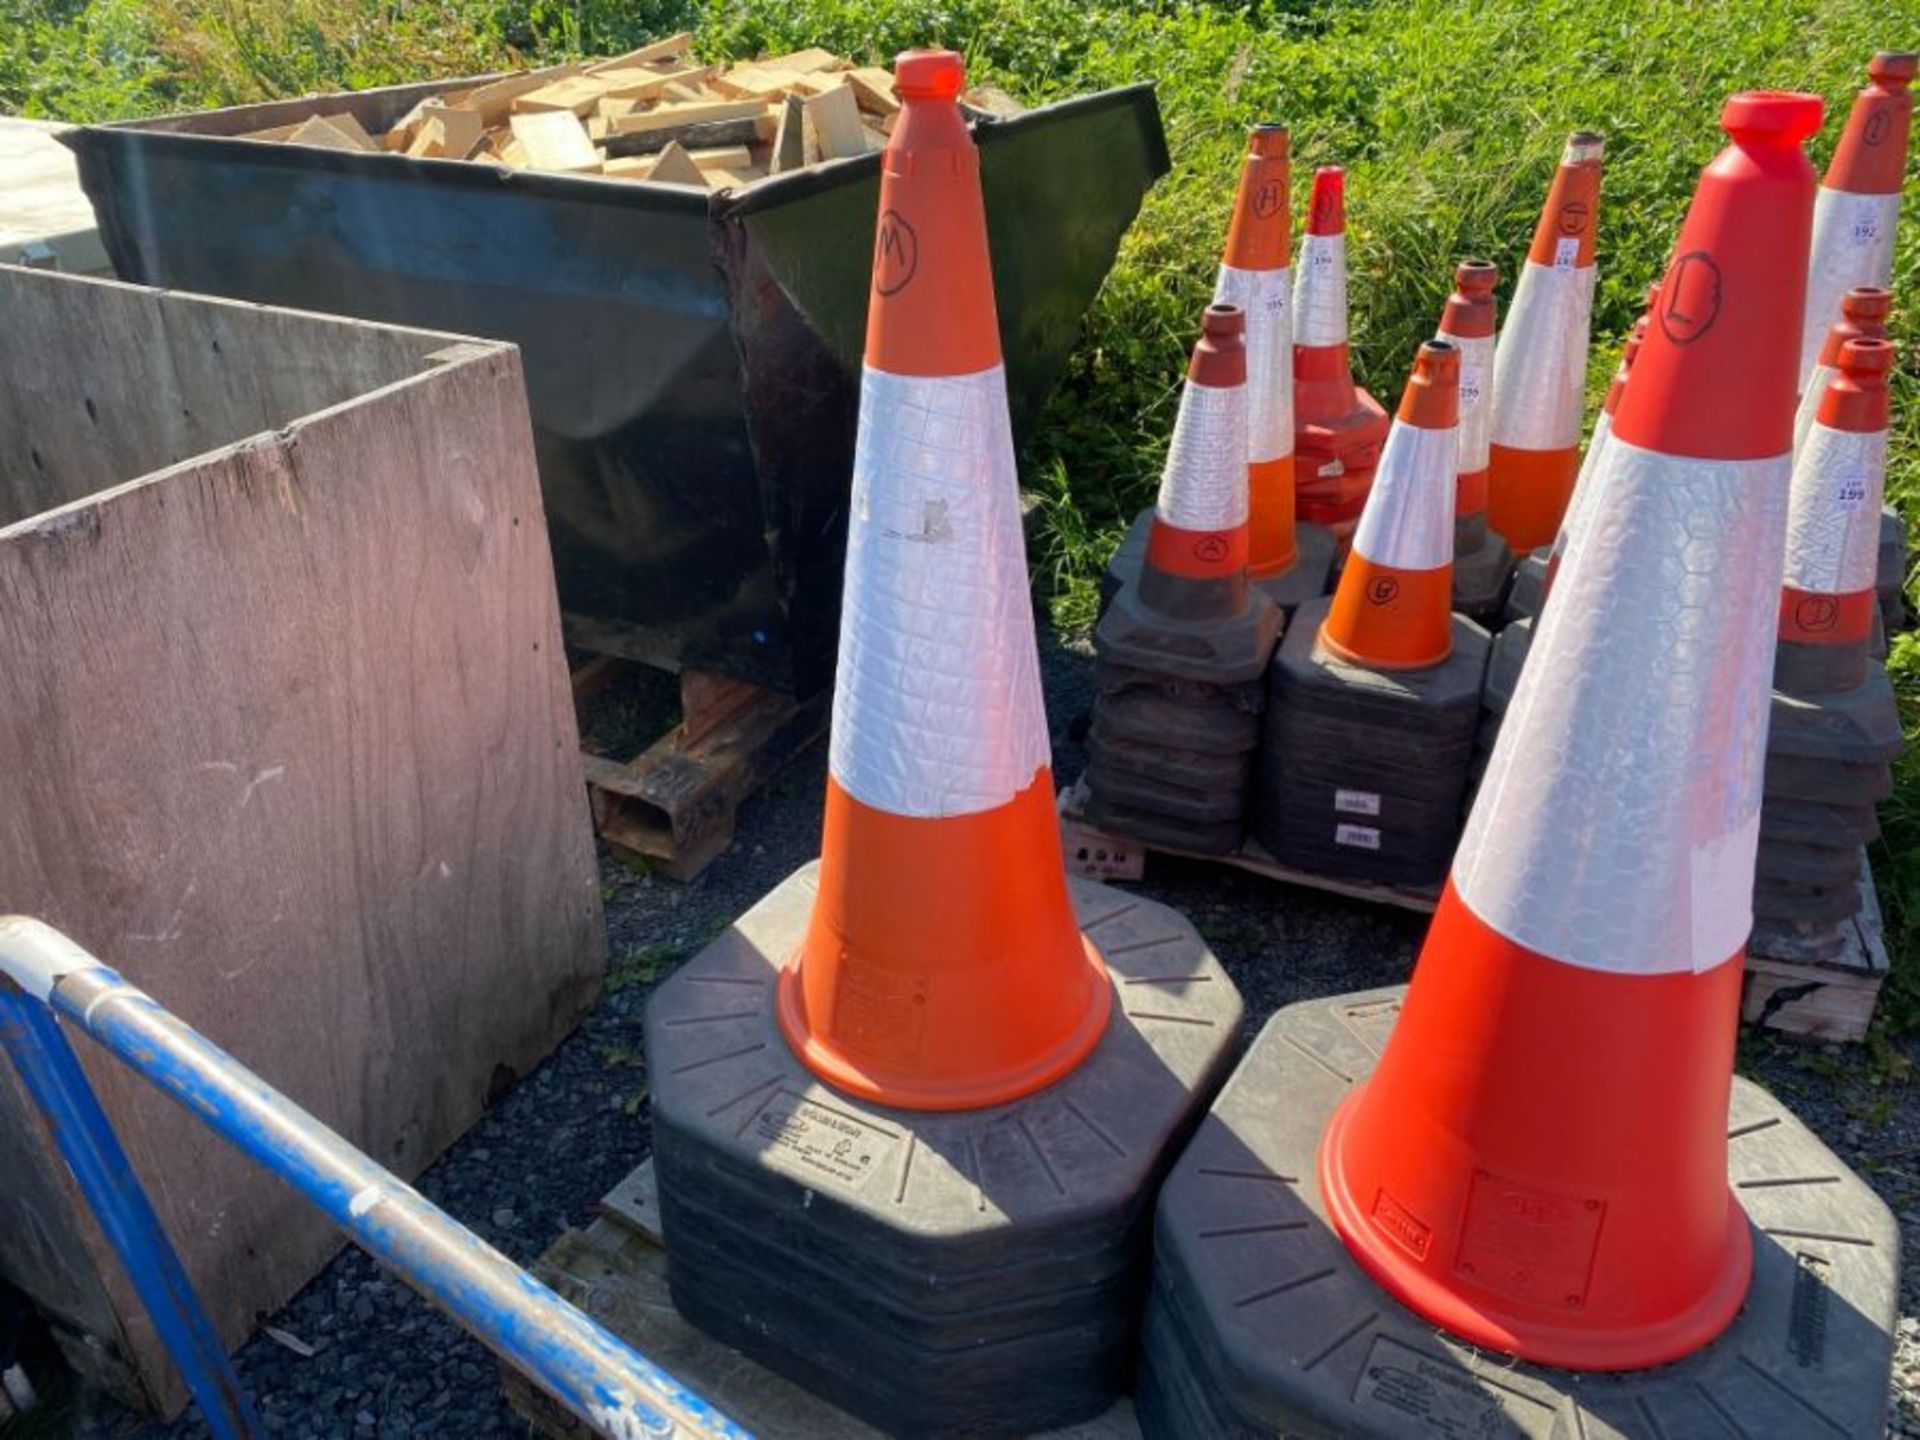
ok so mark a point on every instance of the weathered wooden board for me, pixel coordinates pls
(285, 716)
(1823, 999)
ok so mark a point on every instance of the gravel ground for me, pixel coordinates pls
(386, 1364)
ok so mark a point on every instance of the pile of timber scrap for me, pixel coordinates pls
(653, 114)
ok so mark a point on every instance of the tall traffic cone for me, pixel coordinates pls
(1289, 561)
(1482, 560)
(1863, 316)
(1338, 427)
(1540, 370)
(1392, 606)
(1539, 1162)
(836, 1077)
(1183, 646)
(1373, 696)
(1859, 200)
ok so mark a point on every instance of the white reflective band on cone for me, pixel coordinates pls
(1407, 522)
(1852, 245)
(1267, 298)
(1320, 291)
(1833, 511)
(1817, 381)
(1616, 826)
(937, 707)
(1476, 398)
(1586, 488)
(1204, 486)
(1540, 365)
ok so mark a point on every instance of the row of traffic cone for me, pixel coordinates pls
(911, 1111)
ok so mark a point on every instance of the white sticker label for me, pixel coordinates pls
(1473, 385)
(1320, 257)
(1356, 802)
(1359, 837)
(1566, 250)
(1850, 488)
(1864, 231)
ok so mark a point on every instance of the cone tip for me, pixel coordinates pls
(1866, 303)
(1475, 278)
(929, 74)
(1865, 359)
(1772, 117)
(1327, 209)
(1267, 139)
(1432, 398)
(1584, 147)
(1893, 69)
(1220, 357)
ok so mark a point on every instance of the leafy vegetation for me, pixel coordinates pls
(1449, 119)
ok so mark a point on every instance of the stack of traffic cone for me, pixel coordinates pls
(1373, 695)
(1482, 560)
(1529, 1150)
(1534, 577)
(1540, 370)
(1863, 316)
(1836, 727)
(903, 1128)
(1287, 561)
(1184, 646)
(1858, 204)
(1338, 427)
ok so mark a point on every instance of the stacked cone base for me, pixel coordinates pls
(1509, 654)
(1304, 580)
(1176, 722)
(1482, 571)
(1529, 588)
(951, 1273)
(1260, 1324)
(1363, 772)
(1829, 764)
(1890, 578)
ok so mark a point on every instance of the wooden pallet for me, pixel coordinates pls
(1100, 855)
(1823, 999)
(674, 804)
(616, 1271)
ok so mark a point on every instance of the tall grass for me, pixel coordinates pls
(1448, 117)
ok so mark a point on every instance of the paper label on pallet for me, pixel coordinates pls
(937, 709)
(1833, 513)
(1267, 298)
(1357, 837)
(1356, 802)
(1540, 364)
(1204, 485)
(1320, 291)
(1408, 520)
(1852, 245)
(1476, 409)
(1614, 828)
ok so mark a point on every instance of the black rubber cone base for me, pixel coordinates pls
(1306, 579)
(1481, 575)
(1259, 1323)
(959, 1273)
(1529, 588)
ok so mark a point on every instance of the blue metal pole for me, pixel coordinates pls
(53, 1077)
(591, 1372)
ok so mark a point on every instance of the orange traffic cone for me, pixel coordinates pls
(1540, 371)
(941, 968)
(1828, 598)
(1393, 608)
(1859, 200)
(1338, 427)
(1255, 277)
(1539, 1162)
(1863, 316)
(1482, 561)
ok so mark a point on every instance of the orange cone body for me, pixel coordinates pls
(1833, 513)
(1393, 609)
(1859, 200)
(1467, 323)
(1200, 518)
(1539, 1163)
(1540, 370)
(941, 968)
(1256, 276)
(1338, 427)
(1863, 316)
